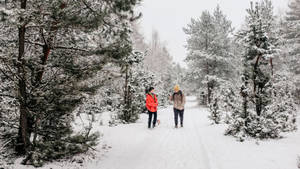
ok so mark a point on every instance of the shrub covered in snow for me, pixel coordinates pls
(54, 150)
(215, 112)
(277, 117)
(223, 102)
(136, 81)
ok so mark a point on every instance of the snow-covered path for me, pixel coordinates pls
(164, 147)
(199, 145)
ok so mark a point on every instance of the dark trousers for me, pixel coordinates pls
(154, 114)
(180, 113)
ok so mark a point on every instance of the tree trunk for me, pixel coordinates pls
(255, 73)
(208, 94)
(46, 53)
(207, 73)
(245, 101)
(208, 87)
(126, 96)
(48, 46)
(23, 141)
(126, 87)
(272, 67)
(256, 88)
(259, 102)
(245, 108)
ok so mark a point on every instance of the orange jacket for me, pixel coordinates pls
(151, 103)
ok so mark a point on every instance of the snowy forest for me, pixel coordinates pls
(74, 76)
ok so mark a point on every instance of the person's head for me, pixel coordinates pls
(176, 88)
(151, 90)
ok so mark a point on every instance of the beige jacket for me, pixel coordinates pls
(178, 102)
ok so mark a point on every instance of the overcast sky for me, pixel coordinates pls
(168, 17)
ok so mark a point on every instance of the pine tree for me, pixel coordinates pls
(50, 49)
(261, 114)
(215, 112)
(137, 80)
(209, 50)
(260, 47)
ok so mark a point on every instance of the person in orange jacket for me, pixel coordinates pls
(151, 105)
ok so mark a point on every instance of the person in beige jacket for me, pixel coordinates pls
(178, 99)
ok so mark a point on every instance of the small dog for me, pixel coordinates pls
(158, 122)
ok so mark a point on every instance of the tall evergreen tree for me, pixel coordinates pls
(209, 55)
(260, 48)
(137, 81)
(258, 115)
(49, 49)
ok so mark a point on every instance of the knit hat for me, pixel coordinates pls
(176, 88)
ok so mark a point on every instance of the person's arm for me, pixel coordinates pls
(171, 98)
(183, 99)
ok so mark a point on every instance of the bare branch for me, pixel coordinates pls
(70, 48)
(6, 95)
(6, 75)
(34, 43)
(57, 47)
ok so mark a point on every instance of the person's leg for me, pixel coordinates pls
(181, 117)
(155, 118)
(149, 119)
(176, 117)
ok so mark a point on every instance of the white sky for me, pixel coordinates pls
(168, 17)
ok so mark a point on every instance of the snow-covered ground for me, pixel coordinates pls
(198, 145)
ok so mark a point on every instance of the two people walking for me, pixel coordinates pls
(178, 100)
